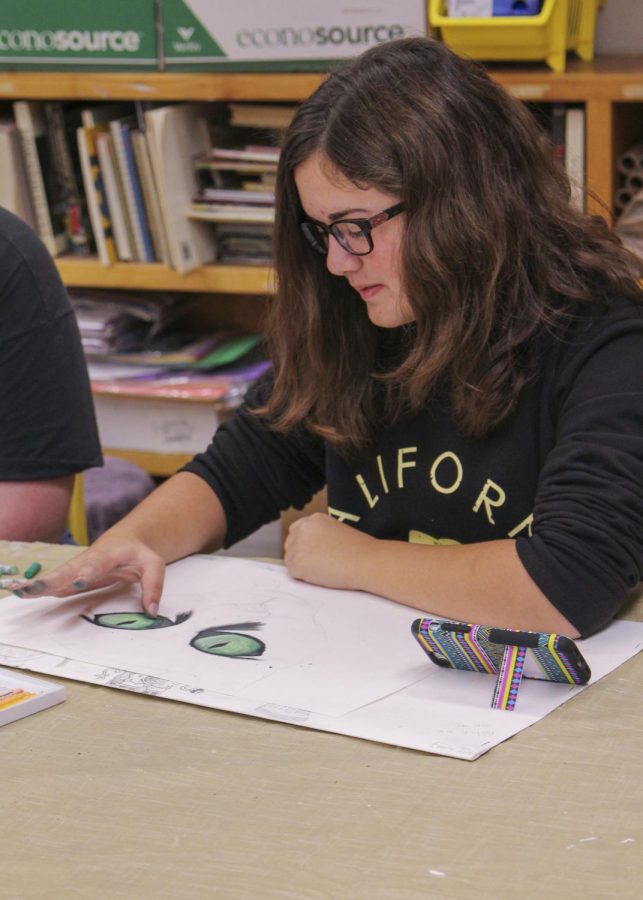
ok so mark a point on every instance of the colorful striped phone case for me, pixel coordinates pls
(507, 653)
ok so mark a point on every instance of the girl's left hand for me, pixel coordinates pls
(323, 551)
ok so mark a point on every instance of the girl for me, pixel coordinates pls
(458, 358)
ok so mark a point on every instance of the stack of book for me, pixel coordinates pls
(143, 357)
(113, 178)
(39, 178)
(125, 155)
(236, 191)
(121, 322)
(236, 181)
(120, 179)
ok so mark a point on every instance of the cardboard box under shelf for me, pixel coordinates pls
(157, 425)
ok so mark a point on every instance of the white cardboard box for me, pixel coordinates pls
(215, 33)
(156, 425)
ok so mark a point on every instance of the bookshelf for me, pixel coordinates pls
(609, 88)
(222, 279)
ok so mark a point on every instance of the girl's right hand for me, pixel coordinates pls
(108, 561)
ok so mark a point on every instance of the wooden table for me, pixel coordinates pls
(117, 795)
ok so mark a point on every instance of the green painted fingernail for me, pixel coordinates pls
(32, 570)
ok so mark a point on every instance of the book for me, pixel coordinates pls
(234, 195)
(150, 196)
(257, 115)
(21, 695)
(265, 183)
(246, 154)
(227, 212)
(176, 135)
(246, 244)
(129, 176)
(114, 197)
(61, 126)
(14, 189)
(227, 165)
(558, 117)
(99, 113)
(575, 153)
(95, 193)
(48, 207)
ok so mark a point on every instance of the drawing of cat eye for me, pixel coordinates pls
(219, 642)
(134, 621)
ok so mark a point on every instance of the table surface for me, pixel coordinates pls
(117, 795)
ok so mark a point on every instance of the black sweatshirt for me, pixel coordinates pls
(563, 475)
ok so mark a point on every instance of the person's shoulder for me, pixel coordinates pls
(19, 242)
(612, 314)
(14, 230)
(22, 253)
(603, 340)
(29, 280)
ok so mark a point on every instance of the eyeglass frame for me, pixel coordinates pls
(365, 225)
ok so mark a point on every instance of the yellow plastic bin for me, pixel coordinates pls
(561, 25)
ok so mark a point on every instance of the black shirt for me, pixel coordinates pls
(48, 427)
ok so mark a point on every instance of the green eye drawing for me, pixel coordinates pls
(134, 621)
(223, 642)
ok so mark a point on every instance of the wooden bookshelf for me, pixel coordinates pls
(223, 279)
(610, 88)
(612, 78)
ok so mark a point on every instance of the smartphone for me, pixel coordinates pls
(510, 654)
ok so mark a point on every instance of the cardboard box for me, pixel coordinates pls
(78, 35)
(156, 425)
(280, 34)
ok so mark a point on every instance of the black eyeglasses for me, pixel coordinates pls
(354, 235)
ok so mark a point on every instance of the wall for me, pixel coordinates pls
(619, 27)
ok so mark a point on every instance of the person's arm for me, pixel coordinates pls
(180, 517)
(34, 510)
(483, 582)
(245, 478)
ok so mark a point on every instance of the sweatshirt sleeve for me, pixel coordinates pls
(586, 549)
(256, 472)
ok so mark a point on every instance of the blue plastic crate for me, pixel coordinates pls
(516, 7)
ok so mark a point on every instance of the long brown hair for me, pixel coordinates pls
(494, 256)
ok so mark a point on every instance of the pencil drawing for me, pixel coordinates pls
(224, 641)
(134, 621)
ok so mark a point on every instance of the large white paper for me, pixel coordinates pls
(337, 661)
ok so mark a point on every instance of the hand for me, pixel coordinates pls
(323, 551)
(106, 562)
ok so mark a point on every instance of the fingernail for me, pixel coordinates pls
(34, 587)
(153, 610)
